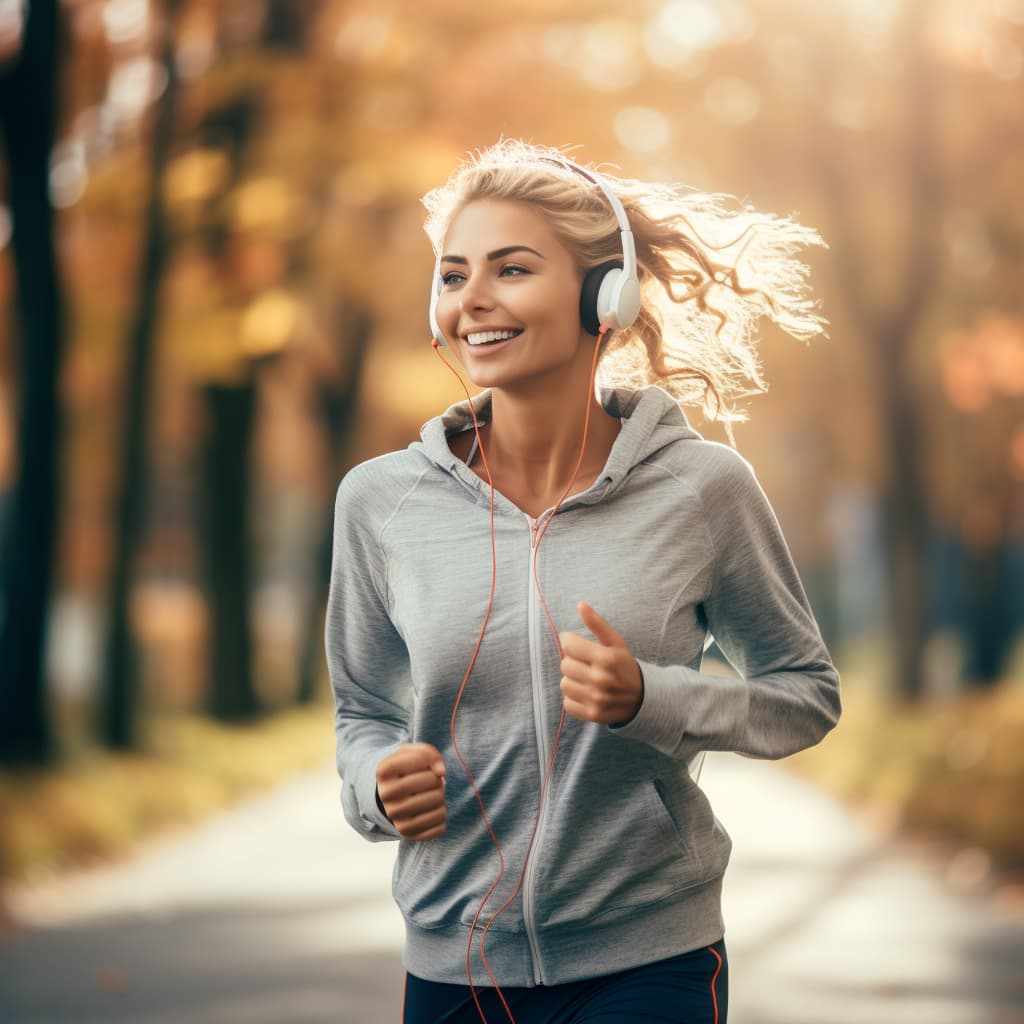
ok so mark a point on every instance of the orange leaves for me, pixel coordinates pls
(984, 363)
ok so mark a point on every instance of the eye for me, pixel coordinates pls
(512, 270)
(452, 277)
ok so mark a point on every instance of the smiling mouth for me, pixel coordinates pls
(491, 337)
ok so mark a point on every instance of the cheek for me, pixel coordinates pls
(447, 310)
(562, 310)
(555, 302)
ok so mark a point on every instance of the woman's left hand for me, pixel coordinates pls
(601, 682)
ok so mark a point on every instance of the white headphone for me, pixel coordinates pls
(610, 295)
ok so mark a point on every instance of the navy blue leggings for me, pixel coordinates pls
(689, 989)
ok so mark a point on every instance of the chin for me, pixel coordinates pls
(482, 379)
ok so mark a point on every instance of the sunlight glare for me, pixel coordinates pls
(732, 100)
(197, 45)
(125, 20)
(642, 129)
(967, 238)
(610, 55)
(195, 176)
(68, 173)
(269, 323)
(875, 14)
(684, 30)
(605, 54)
(12, 25)
(132, 86)
(363, 37)
(681, 30)
(1002, 58)
(1010, 10)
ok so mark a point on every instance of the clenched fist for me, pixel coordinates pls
(410, 787)
(601, 682)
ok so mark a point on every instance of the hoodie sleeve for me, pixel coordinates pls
(787, 695)
(366, 658)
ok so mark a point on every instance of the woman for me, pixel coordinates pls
(557, 861)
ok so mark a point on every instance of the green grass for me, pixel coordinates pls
(96, 805)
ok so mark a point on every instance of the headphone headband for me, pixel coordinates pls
(625, 230)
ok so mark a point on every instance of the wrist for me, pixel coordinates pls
(380, 804)
(639, 701)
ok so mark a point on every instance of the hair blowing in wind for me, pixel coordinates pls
(710, 269)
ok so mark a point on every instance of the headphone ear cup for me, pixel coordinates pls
(435, 291)
(602, 278)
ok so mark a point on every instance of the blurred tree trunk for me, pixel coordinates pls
(28, 108)
(287, 23)
(904, 505)
(227, 465)
(339, 406)
(120, 692)
(988, 630)
(225, 462)
(889, 331)
(988, 609)
(225, 544)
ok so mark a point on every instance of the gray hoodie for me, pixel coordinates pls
(673, 543)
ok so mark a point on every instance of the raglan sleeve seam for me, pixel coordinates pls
(387, 597)
(785, 695)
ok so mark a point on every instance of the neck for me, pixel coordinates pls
(534, 436)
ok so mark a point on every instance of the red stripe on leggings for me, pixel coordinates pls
(714, 997)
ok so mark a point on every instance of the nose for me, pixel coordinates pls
(475, 293)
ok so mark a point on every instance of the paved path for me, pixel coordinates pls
(275, 913)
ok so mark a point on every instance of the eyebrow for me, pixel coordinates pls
(495, 254)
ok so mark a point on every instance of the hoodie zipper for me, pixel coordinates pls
(535, 633)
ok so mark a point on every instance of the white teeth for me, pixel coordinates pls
(483, 337)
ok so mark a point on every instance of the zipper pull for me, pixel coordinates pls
(537, 526)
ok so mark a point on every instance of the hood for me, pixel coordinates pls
(651, 419)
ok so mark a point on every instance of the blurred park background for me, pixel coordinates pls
(213, 286)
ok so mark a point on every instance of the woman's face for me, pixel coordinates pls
(510, 296)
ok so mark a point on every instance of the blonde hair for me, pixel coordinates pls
(708, 273)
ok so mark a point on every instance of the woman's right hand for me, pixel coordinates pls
(410, 787)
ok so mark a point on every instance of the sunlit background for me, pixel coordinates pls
(241, 282)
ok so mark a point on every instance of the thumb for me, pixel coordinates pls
(604, 633)
(428, 756)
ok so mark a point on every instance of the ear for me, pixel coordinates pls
(436, 287)
(589, 313)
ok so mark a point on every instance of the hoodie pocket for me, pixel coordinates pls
(669, 828)
(689, 813)
(626, 853)
(408, 876)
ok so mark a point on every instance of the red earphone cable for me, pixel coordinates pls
(455, 709)
(558, 644)
(561, 721)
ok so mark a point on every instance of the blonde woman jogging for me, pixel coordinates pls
(520, 600)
